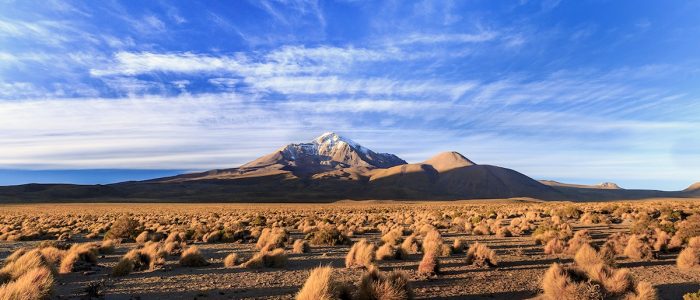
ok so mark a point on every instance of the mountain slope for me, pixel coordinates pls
(451, 175)
(326, 153)
(331, 168)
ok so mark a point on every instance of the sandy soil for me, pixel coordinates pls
(521, 265)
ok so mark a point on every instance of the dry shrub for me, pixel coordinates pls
(327, 236)
(393, 237)
(689, 258)
(123, 228)
(173, 247)
(637, 248)
(661, 240)
(321, 286)
(554, 246)
(587, 257)
(192, 257)
(107, 247)
(301, 246)
(644, 291)
(361, 254)
(231, 260)
(459, 245)
(52, 255)
(410, 245)
(15, 255)
(79, 257)
(581, 237)
(375, 285)
(558, 285)
(272, 238)
(481, 255)
(432, 242)
(388, 251)
(17, 267)
(34, 284)
(429, 265)
(276, 258)
(481, 229)
(142, 238)
(503, 232)
(598, 282)
(156, 255)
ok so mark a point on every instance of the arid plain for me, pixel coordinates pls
(477, 249)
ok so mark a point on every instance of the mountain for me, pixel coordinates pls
(452, 175)
(693, 188)
(604, 185)
(330, 168)
(326, 153)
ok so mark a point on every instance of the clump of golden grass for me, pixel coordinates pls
(321, 286)
(35, 283)
(580, 238)
(301, 246)
(18, 266)
(192, 257)
(459, 245)
(276, 258)
(637, 248)
(142, 238)
(388, 251)
(271, 238)
(410, 245)
(231, 260)
(123, 228)
(432, 241)
(689, 258)
(481, 255)
(597, 281)
(327, 236)
(107, 247)
(586, 257)
(79, 257)
(361, 254)
(554, 246)
(429, 265)
(390, 286)
(393, 236)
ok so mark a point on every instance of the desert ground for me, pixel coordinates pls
(533, 249)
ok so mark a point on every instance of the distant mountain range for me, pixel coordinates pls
(332, 168)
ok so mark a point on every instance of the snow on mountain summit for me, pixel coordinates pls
(327, 152)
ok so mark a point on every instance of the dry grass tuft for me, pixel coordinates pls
(377, 285)
(554, 246)
(192, 257)
(231, 260)
(429, 265)
(637, 248)
(321, 286)
(276, 258)
(35, 283)
(361, 254)
(388, 251)
(481, 255)
(78, 258)
(689, 258)
(301, 246)
(410, 245)
(271, 238)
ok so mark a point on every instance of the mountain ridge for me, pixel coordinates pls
(330, 168)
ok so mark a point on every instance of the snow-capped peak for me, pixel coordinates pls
(330, 140)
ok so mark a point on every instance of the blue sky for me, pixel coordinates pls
(578, 91)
